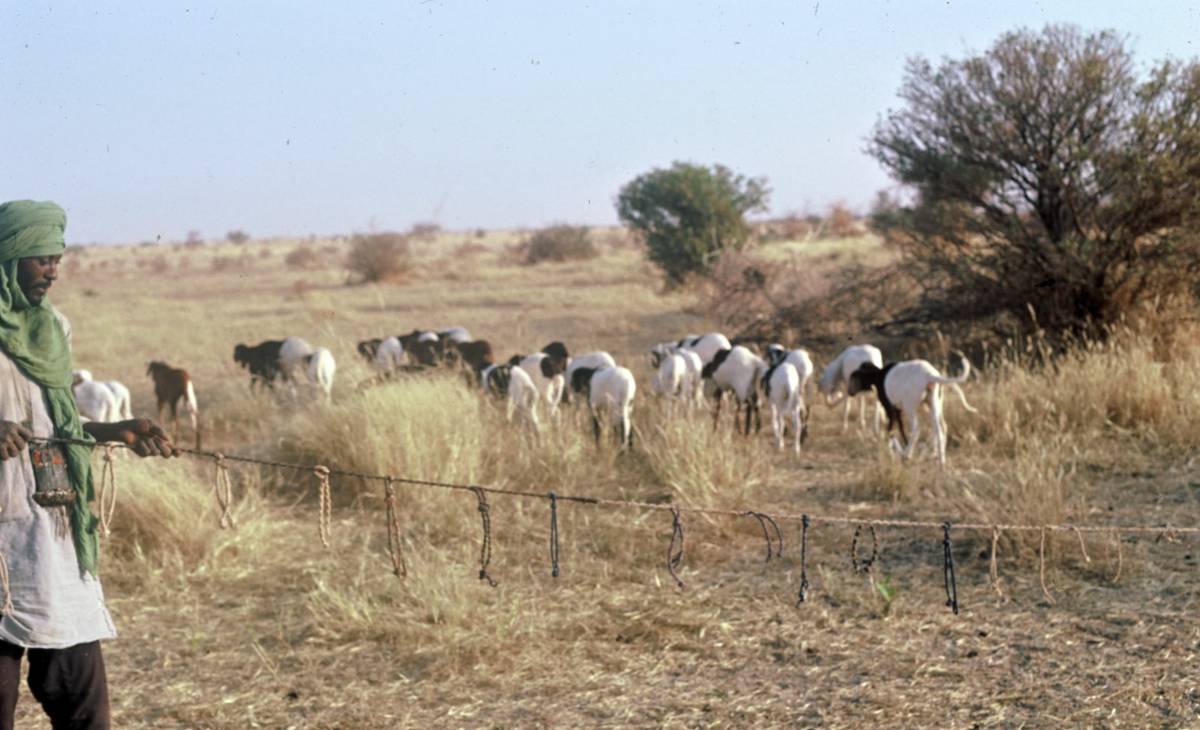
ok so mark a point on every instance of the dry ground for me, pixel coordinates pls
(262, 627)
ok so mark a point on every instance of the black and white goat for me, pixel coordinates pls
(737, 370)
(706, 346)
(835, 380)
(547, 370)
(609, 391)
(783, 387)
(516, 387)
(593, 360)
(902, 387)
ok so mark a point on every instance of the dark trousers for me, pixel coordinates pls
(70, 683)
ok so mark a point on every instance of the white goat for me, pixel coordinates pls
(96, 402)
(516, 387)
(549, 385)
(124, 410)
(784, 391)
(610, 390)
(706, 346)
(902, 387)
(389, 355)
(737, 370)
(692, 387)
(455, 334)
(320, 368)
(593, 360)
(670, 377)
(836, 376)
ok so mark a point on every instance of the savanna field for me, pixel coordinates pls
(261, 626)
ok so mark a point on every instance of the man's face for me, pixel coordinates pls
(35, 275)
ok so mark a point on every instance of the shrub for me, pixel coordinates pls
(302, 257)
(376, 257)
(560, 243)
(842, 223)
(237, 237)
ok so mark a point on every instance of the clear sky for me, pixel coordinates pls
(158, 117)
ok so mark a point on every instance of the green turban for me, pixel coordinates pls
(32, 336)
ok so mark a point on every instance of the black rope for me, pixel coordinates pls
(948, 569)
(863, 566)
(675, 549)
(763, 519)
(803, 559)
(485, 547)
(553, 535)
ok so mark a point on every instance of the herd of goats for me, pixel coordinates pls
(688, 372)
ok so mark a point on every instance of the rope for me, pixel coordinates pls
(485, 547)
(1042, 569)
(553, 535)
(651, 506)
(223, 489)
(803, 560)
(106, 497)
(863, 566)
(763, 519)
(675, 556)
(395, 550)
(1117, 577)
(995, 573)
(1082, 547)
(948, 570)
(323, 492)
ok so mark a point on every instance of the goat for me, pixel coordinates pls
(902, 387)
(422, 346)
(389, 355)
(609, 389)
(594, 360)
(737, 370)
(172, 385)
(262, 360)
(320, 368)
(124, 401)
(783, 386)
(293, 356)
(692, 387)
(837, 375)
(670, 376)
(515, 385)
(546, 376)
(96, 402)
(706, 346)
(454, 335)
(475, 354)
(368, 348)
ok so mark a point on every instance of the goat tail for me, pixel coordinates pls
(960, 378)
(962, 397)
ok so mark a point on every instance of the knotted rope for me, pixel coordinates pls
(395, 549)
(485, 547)
(553, 535)
(863, 566)
(995, 573)
(106, 497)
(948, 570)
(326, 498)
(763, 519)
(675, 549)
(803, 560)
(223, 489)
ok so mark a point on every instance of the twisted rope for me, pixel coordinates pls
(1042, 569)
(995, 573)
(106, 496)
(803, 560)
(485, 547)
(223, 490)
(763, 519)
(395, 550)
(675, 549)
(948, 570)
(323, 491)
(863, 566)
(553, 535)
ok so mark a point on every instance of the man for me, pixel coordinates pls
(50, 598)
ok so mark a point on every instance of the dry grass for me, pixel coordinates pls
(263, 627)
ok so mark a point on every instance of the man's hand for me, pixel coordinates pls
(143, 436)
(14, 437)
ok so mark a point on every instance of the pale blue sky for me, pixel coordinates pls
(155, 118)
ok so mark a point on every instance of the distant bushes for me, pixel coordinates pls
(560, 243)
(376, 257)
(302, 257)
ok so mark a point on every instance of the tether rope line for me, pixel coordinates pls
(660, 507)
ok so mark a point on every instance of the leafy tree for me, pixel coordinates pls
(1046, 177)
(687, 214)
(237, 236)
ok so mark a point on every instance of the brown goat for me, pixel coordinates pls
(170, 386)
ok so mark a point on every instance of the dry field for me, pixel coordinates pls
(263, 627)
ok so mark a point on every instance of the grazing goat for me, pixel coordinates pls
(670, 377)
(737, 370)
(96, 402)
(172, 385)
(547, 378)
(475, 354)
(454, 334)
(783, 386)
(610, 390)
(513, 384)
(262, 360)
(594, 360)
(422, 346)
(320, 368)
(117, 388)
(837, 376)
(902, 387)
(692, 387)
(706, 346)
(389, 355)
(293, 357)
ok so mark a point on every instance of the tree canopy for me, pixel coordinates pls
(687, 214)
(1046, 175)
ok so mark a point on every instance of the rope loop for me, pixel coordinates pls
(395, 549)
(223, 490)
(764, 518)
(485, 547)
(106, 498)
(948, 570)
(803, 561)
(1042, 568)
(325, 518)
(992, 568)
(553, 535)
(675, 549)
(864, 565)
